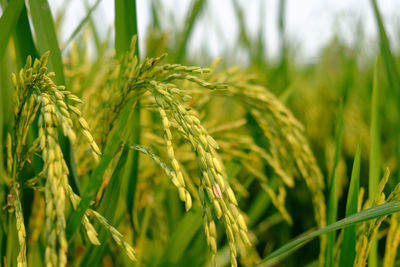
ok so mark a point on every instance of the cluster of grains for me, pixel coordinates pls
(90, 230)
(178, 180)
(233, 146)
(14, 203)
(370, 229)
(215, 189)
(130, 79)
(133, 80)
(56, 105)
(130, 252)
(286, 149)
(21, 259)
(282, 144)
(287, 144)
(392, 241)
(24, 111)
(37, 93)
(56, 172)
(122, 80)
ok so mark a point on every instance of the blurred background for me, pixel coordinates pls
(307, 26)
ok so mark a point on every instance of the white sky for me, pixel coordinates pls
(310, 23)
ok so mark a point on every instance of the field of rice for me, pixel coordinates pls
(119, 154)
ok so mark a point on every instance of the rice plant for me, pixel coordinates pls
(144, 158)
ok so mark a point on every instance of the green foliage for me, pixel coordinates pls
(191, 166)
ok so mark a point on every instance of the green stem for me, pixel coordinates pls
(190, 20)
(333, 197)
(125, 29)
(125, 25)
(374, 159)
(283, 46)
(134, 163)
(391, 70)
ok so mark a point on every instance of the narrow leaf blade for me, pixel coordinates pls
(333, 198)
(365, 215)
(349, 236)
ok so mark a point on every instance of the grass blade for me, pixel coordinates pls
(374, 157)
(348, 248)
(1, 131)
(283, 44)
(391, 70)
(258, 208)
(23, 40)
(261, 46)
(46, 38)
(243, 38)
(125, 29)
(81, 24)
(125, 25)
(5, 109)
(133, 161)
(365, 215)
(8, 21)
(190, 21)
(181, 238)
(333, 197)
(390, 62)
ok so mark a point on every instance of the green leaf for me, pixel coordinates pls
(81, 24)
(374, 157)
(243, 33)
(348, 248)
(46, 38)
(125, 25)
(258, 208)
(181, 238)
(365, 215)
(8, 21)
(131, 172)
(389, 60)
(23, 40)
(125, 29)
(394, 82)
(333, 197)
(1, 137)
(6, 91)
(195, 12)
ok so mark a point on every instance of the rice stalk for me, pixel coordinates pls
(287, 150)
(149, 78)
(37, 93)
